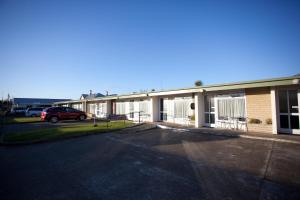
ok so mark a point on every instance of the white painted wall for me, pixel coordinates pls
(274, 111)
(154, 107)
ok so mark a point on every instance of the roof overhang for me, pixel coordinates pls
(292, 80)
(254, 84)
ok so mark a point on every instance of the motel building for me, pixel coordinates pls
(266, 106)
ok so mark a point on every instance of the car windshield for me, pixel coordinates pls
(45, 109)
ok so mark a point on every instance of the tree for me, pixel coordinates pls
(198, 83)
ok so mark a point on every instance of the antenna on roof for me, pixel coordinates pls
(106, 93)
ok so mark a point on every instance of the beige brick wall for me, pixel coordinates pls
(258, 103)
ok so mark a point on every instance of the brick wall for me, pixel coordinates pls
(258, 103)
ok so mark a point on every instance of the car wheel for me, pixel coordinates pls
(54, 119)
(81, 117)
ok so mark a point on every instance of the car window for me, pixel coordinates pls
(61, 109)
(57, 109)
(70, 110)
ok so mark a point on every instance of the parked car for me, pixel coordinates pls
(18, 111)
(55, 114)
(33, 112)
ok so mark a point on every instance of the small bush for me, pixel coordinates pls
(193, 117)
(198, 83)
(269, 121)
(254, 121)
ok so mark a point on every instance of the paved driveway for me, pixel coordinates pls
(155, 164)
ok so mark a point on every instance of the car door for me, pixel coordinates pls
(62, 113)
(72, 113)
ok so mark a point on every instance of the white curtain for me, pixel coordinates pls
(120, 108)
(92, 108)
(131, 106)
(101, 110)
(231, 108)
(144, 107)
(182, 108)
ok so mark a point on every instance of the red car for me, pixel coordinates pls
(54, 114)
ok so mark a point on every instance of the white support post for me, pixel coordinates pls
(199, 110)
(108, 108)
(85, 106)
(274, 111)
(154, 109)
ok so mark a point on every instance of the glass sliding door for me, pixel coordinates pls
(163, 104)
(289, 121)
(209, 112)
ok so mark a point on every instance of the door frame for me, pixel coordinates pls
(162, 115)
(209, 112)
(288, 130)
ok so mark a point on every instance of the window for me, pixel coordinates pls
(231, 108)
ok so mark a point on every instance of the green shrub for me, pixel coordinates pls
(254, 121)
(193, 117)
(269, 121)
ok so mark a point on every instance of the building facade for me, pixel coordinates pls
(269, 106)
(34, 102)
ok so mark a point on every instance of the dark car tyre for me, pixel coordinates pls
(54, 119)
(81, 117)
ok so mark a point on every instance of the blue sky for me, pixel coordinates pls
(60, 49)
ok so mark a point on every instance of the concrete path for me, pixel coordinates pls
(288, 138)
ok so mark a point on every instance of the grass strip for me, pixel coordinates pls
(64, 131)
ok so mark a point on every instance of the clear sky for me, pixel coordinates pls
(60, 49)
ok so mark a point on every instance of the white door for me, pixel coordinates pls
(289, 120)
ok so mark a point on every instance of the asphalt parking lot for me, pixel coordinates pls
(153, 164)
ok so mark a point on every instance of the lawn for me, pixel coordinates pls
(16, 120)
(65, 131)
